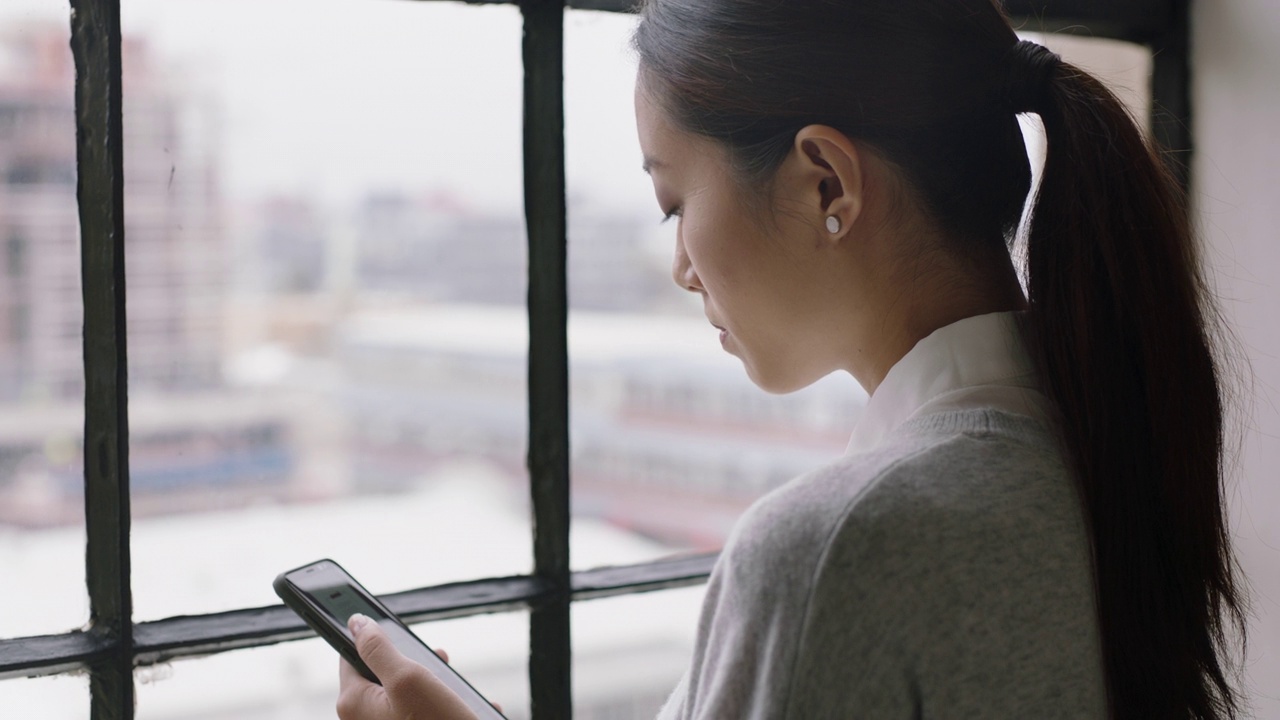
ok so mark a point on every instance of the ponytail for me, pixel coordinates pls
(1120, 328)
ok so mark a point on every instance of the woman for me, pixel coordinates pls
(1029, 521)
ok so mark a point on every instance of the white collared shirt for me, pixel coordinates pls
(977, 362)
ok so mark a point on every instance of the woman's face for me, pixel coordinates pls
(753, 267)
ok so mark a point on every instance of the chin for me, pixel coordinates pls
(778, 381)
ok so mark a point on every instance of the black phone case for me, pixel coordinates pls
(319, 622)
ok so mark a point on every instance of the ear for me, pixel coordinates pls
(829, 175)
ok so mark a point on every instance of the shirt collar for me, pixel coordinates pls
(979, 361)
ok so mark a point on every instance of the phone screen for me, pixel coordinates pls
(335, 593)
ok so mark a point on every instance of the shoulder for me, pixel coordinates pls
(953, 505)
(965, 554)
(957, 502)
(977, 474)
(967, 472)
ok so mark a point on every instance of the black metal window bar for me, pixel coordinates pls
(113, 645)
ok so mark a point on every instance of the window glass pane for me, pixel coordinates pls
(61, 697)
(41, 371)
(300, 679)
(670, 439)
(626, 670)
(48, 564)
(326, 277)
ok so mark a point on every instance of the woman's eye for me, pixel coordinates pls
(674, 212)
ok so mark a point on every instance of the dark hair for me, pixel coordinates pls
(1120, 323)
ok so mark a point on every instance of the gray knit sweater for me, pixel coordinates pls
(944, 574)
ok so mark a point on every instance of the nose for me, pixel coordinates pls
(682, 270)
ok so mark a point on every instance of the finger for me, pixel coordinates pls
(376, 649)
(349, 676)
(405, 683)
(357, 697)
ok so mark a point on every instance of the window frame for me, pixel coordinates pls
(113, 646)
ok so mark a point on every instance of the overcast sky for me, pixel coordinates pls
(340, 97)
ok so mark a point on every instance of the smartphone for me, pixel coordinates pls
(326, 596)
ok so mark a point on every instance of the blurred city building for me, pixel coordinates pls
(190, 441)
(175, 241)
(668, 436)
(437, 248)
(40, 307)
(289, 253)
(405, 317)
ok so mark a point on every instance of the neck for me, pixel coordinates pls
(906, 321)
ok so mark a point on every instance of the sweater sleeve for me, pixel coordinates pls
(749, 628)
(746, 640)
(857, 633)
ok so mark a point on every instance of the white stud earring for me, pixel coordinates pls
(833, 224)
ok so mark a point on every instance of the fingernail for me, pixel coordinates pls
(357, 622)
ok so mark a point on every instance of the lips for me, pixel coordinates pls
(724, 334)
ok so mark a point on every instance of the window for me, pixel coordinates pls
(42, 527)
(172, 366)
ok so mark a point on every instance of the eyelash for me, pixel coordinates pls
(675, 212)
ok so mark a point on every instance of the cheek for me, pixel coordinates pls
(718, 247)
(700, 246)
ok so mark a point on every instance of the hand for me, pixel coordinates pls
(408, 691)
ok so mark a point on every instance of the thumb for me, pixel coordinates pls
(411, 689)
(375, 648)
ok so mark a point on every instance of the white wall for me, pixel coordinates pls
(1236, 85)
